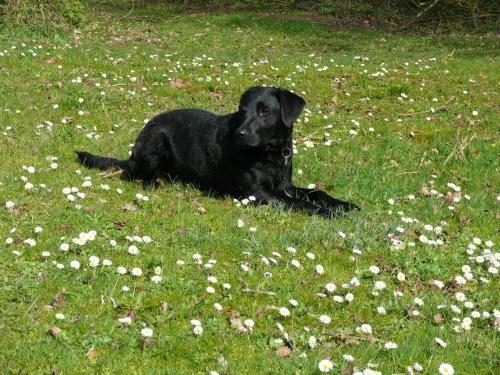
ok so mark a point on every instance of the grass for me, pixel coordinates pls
(374, 80)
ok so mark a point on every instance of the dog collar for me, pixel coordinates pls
(286, 153)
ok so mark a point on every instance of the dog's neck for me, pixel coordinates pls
(280, 143)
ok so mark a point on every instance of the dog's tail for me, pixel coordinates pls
(92, 161)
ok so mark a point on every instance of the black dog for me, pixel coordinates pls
(243, 154)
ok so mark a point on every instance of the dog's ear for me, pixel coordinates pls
(291, 106)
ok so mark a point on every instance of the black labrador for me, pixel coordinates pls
(243, 154)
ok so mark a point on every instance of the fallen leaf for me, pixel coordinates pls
(130, 207)
(92, 355)
(58, 300)
(424, 190)
(54, 331)
(438, 319)
(119, 224)
(164, 306)
(237, 324)
(349, 370)
(147, 342)
(451, 196)
(178, 83)
(283, 351)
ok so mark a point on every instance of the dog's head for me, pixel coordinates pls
(266, 114)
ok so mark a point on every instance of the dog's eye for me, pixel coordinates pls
(263, 112)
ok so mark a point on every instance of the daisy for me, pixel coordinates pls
(156, 279)
(125, 321)
(446, 369)
(365, 328)
(147, 332)
(440, 342)
(325, 365)
(348, 357)
(381, 310)
(390, 345)
(94, 261)
(284, 312)
(198, 330)
(136, 272)
(210, 290)
(249, 323)
(133, 250)
(325, 319)
(380, 285)
(312, 342)
(330, 287)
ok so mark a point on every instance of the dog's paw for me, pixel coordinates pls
(150, 184)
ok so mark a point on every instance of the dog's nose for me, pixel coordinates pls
(242, 134)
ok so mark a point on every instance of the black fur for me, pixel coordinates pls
(246, 153)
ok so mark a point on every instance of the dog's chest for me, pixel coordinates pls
(271, 173)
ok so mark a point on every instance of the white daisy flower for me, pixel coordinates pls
(325, 365)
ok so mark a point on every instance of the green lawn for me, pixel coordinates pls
(407, 120)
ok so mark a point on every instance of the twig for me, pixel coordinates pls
(442, 108)
(29, 308)
(129, 13)
(110, 174)
(286, 335)
(403, 173)
(459, 149)
(254, 291)
(428, 8)
(344, 336)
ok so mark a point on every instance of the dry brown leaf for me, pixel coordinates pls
(58, 300)
(424, 190)
(237, 324)
(349, 370)
(283, 351)
(92, 355)
(119, 224)
(178, 83)
(147, 342)
(164, 306)
(130, 207)
(438, 319)
(54, 331)
(451, 197)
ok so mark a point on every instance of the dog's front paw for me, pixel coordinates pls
(352, 207)
(345, 207)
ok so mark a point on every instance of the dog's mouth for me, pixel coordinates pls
(247, 143)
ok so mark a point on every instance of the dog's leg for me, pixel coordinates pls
(321, 198)
(150, 184)
(292, 203)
